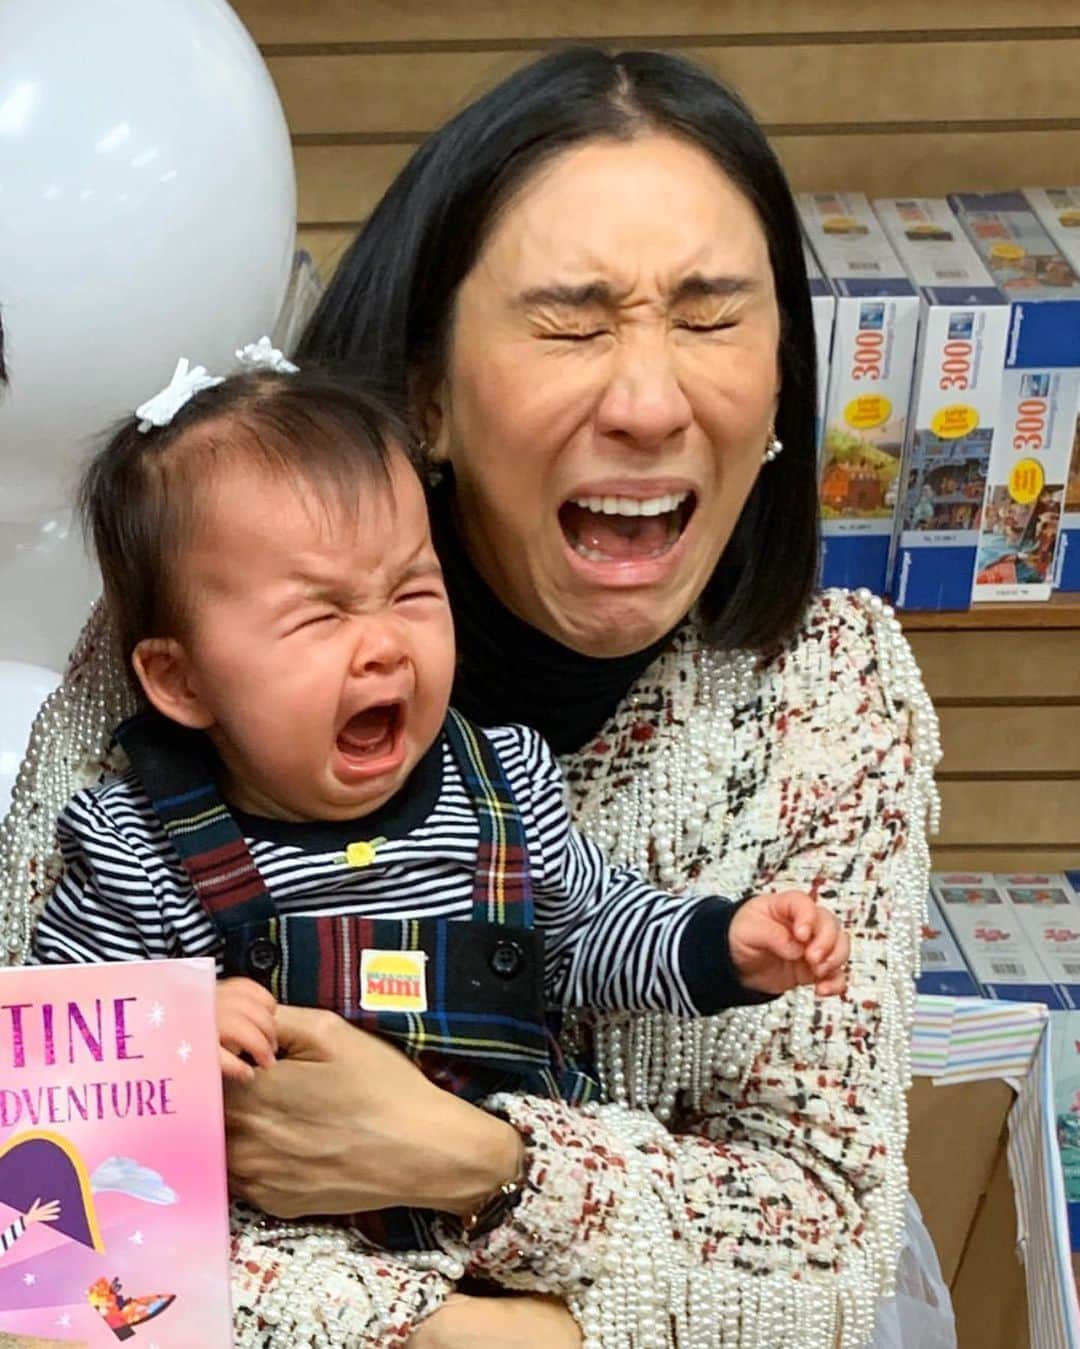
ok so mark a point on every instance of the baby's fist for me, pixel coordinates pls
(780, 941)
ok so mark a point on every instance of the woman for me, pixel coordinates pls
(589, 289)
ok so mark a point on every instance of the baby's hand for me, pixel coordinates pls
(781, 941)
(245, 1018)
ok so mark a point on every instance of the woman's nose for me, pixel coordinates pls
(644, 403)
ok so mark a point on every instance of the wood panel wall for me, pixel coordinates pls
(918, 97)
(924, 96)
(1009, 703)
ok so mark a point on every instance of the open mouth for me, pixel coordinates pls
(372, 734)
(625, 529)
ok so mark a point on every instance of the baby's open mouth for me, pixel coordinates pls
(371, 733)
(620, 529)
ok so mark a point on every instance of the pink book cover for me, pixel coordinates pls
(113, 1207)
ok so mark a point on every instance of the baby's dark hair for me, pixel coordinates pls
(140, 495)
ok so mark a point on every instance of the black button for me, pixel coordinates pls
(507, 959)
(262, 955)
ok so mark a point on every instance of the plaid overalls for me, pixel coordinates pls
(484, 1028)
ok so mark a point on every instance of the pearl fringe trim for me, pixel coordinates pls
(646, 1061)
(68, 750)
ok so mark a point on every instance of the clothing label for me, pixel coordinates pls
(393, 981)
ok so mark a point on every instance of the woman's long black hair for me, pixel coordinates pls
(388, 309)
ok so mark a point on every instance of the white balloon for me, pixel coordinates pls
(47, 586)
(147, 211)
(23, 688)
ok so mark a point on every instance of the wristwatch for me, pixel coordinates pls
(497, 1207)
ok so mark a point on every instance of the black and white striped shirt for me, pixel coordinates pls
(612, 941)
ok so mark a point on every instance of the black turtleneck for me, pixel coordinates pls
(508, 671)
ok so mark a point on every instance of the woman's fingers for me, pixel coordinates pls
(345, 1123)
(308, 1033)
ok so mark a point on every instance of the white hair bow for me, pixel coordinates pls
(186, 382)
(262, 355)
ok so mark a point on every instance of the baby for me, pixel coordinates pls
(301, 802)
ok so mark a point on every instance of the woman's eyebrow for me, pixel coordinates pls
(598, 294)
(696, 286)
(590, 295)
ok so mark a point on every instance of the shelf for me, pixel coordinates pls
(1061, 612)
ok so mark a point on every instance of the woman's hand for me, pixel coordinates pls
(344, 1122)
(498, 1323)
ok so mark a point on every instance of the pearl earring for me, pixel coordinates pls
(774, 447)
(432, 470)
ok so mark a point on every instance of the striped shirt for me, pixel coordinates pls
(612, 941)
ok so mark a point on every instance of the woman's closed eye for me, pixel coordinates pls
(719, 326)
(587, 336)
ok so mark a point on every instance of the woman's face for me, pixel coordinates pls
(611, 377)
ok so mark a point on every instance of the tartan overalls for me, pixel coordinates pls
(483, 1028)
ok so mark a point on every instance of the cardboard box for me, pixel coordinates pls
(1033, 439)
(1058, 208)
(823, 303)
(989, 1294)
(992, 940)
(873, 360)
(944, 969)
(949, 1182)
(963, 324)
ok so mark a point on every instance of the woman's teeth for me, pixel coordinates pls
(624, 529)
(631, 505)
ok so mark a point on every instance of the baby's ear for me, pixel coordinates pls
(165, 674)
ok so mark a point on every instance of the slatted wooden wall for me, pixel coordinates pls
(920, 96)
(909, 96)
(1009, 702)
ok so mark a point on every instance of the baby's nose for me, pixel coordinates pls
(378, 650)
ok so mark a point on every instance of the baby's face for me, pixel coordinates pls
(322, 646)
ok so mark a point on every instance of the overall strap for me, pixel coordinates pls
(176, 769)
(502, 890)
